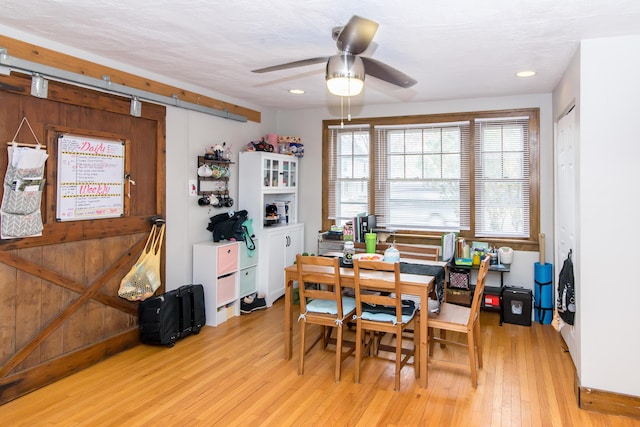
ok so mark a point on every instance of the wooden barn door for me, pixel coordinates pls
(59, 308)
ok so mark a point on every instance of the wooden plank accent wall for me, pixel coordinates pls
(65, 62)
(59, 309)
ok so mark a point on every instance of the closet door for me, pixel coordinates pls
(565, 193)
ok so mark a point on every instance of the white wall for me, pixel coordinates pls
(308, 125)
(609, 173)
(189, 134)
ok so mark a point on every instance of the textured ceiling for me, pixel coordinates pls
(453, 48)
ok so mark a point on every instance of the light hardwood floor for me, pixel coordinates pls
(235, 374)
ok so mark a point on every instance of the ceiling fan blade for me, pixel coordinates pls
(356, 35)
(387, 73)
(293, 64)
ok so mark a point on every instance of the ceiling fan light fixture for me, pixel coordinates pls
(345, 75)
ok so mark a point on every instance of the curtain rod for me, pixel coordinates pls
(105, 84)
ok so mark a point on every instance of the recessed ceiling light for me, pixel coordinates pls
(296, 91)
(526, 73)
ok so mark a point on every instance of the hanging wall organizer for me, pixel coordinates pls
(23, 184)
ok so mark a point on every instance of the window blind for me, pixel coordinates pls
(422, 178)
(348, 170)
(502, 177)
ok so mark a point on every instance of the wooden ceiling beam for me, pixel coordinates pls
(30, 52)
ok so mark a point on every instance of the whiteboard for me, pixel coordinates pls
(90, 178)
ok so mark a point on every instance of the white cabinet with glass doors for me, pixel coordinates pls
(271, 180)
(279, 171)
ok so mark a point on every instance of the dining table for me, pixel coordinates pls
(417, 285)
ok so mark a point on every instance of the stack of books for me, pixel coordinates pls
(363, 223)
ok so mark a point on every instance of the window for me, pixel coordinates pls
(422, 176)
(502, 177)
(467, 172)
(349, 157)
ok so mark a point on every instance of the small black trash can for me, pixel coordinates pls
(516, 305)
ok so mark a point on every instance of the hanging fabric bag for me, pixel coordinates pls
(23, 185)
(143, 279)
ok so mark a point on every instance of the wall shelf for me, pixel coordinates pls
(208, 185)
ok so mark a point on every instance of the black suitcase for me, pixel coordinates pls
(158, 319)
(191, 317)
(166, 318)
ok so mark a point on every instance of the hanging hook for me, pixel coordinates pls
(130, 182)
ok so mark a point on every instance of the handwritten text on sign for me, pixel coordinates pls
(90, 178)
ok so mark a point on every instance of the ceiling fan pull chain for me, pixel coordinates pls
(349, 105)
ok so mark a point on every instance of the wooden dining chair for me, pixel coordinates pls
(464, 320)
(429, 253)
(322, 303)
(379, 310)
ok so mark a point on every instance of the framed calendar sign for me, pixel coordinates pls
(91, 177)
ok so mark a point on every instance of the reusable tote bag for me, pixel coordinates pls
(144, 277)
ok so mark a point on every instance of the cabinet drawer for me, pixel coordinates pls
(227, 259)
(248, 281)
(245, 259)
(226, 289)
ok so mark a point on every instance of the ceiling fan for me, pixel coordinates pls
(346, 70)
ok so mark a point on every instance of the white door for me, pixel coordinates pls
(565, 195)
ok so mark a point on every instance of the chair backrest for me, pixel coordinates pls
(361, 247)
(479, 291)
(372, 288)
(430, 253)
(319, 270)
